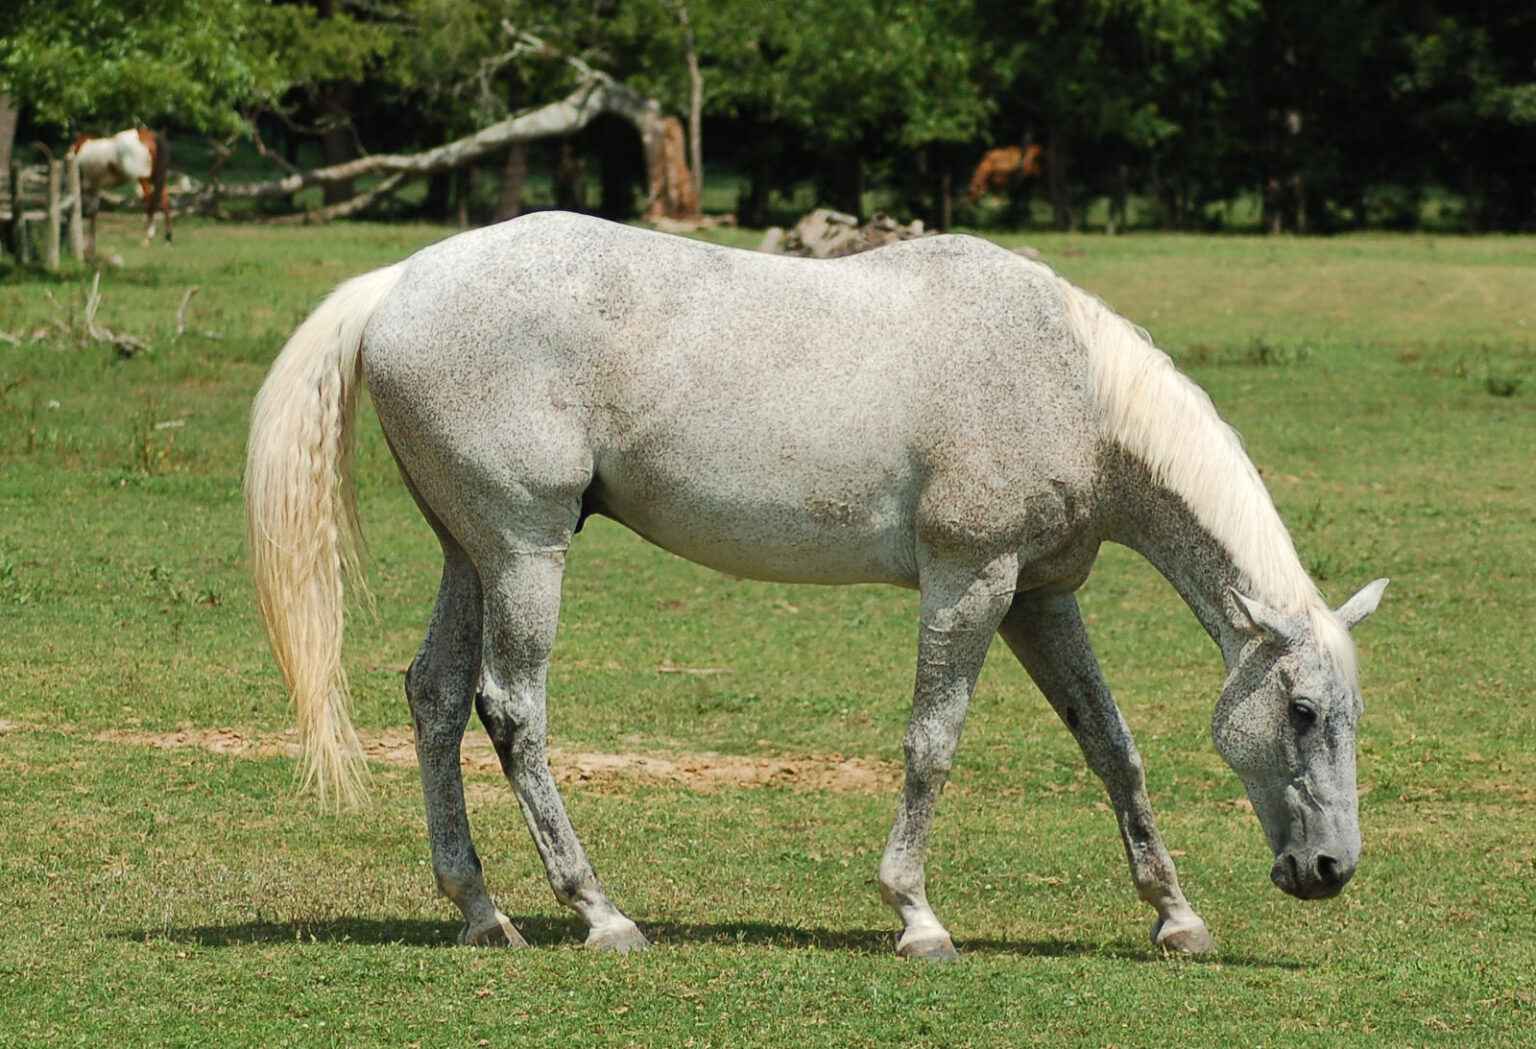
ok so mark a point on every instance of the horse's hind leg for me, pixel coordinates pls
(1048, 636)
(147, 190)
(440, 686)
(522, 605)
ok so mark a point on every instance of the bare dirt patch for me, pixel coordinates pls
(700, 772)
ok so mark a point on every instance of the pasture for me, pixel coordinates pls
(165, 886)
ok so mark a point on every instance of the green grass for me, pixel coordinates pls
(173, 897)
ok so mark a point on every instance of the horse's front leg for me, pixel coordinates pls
(961, 607)
(1048, 636)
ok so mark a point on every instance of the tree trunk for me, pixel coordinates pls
(695, 105)
(463, 190)
(752, 204)
(439, 199)
(8, 117)
(1119, 202)
(336, 145)
(514, 173)
(617, 171)
(843, 185)
(570, 178)
(1056, 163)
(673, 192)
(336, 112)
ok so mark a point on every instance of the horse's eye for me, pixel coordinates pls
(1303, 714)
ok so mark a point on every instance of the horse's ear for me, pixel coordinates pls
(1362, 604)
(1255, 617)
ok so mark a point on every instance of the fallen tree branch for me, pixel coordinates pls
(596, 93)
(347, 207)
(126, 345)
(181, 311)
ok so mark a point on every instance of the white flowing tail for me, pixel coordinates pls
(302, 527)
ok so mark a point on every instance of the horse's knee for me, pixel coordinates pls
(929, 749)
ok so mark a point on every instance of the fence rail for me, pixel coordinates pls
(43, 184)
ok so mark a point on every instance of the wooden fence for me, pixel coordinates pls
(42, 197)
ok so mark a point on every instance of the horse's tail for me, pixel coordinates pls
(302, 527)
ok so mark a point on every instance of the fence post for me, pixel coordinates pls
(76, 214)
(20, 242)
(55, 218)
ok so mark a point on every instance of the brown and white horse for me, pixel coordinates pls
(137, 153)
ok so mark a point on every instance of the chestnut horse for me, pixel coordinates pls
(137, 153)
(1002, 169)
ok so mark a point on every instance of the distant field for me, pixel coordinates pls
(165, 887)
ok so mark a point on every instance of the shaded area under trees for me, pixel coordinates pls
(1324, 115)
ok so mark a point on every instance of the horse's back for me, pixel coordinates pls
(773, 417)
(113, 159)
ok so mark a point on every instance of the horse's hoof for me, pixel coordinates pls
(1183, 939)
(929, 949)
(620, 938)
(499, 933)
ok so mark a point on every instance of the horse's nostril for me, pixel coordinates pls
(1330, 873)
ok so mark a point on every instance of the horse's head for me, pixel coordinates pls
(1286, 724)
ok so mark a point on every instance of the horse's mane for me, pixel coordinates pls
(1165, 420)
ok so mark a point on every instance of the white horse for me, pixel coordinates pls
(940, 414)
(137, 154)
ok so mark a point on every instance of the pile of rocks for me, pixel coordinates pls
(828, 234)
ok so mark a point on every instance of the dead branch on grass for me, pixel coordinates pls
(126, 345)
(181, 317)
(181, 311)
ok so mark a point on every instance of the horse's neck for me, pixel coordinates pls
(1159, 523)
(1180, 487)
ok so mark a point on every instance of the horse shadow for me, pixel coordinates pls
(545, 931)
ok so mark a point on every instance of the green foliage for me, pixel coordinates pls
(1335, 113)
(189, 60)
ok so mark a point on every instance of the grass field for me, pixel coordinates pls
(164, 886)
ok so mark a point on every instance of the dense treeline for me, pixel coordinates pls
(1328, 114)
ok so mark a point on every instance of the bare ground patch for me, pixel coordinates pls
(695, 771)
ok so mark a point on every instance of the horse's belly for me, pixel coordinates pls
(759, 525)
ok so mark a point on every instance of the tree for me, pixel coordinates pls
(1469, 76)
(850, 80)
(191, 62)
(1113, 80)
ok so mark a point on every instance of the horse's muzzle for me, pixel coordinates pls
(1311, 876)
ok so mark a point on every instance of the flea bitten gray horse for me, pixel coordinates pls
(940, 414)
